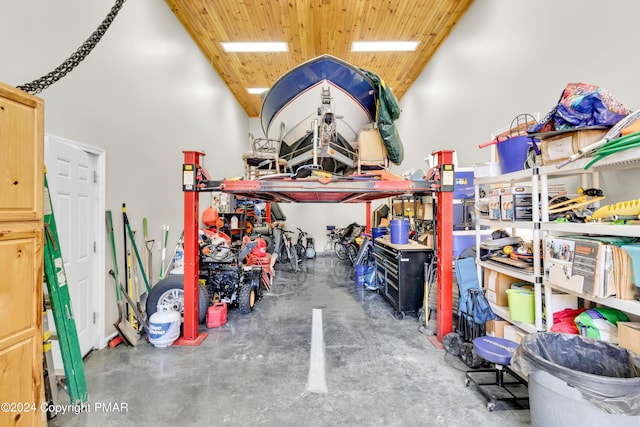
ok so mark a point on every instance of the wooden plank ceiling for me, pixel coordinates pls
(312, 28)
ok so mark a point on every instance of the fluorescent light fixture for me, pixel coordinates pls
(257, 90)
(255, 46)
(384, 46)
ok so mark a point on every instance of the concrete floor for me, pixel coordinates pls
(255, 370)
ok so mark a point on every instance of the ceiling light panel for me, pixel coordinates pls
(254, 46)
(257, 90)
(388, 46)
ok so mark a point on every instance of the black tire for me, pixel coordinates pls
(293, 260)
(341, 251)
(247, 297)
(269, 241)
(283, 257)
(171, 290)
(352, 253)
(300, 252)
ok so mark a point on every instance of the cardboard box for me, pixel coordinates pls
(496, 285)
(629, 336)
(513, 333)
(409, 208)
(560, 147)
(495, 328)
(559, 302)
(580, 265)
(427, 239)
(494, 202)
(425, 210)
(514, 202)
(463, 185)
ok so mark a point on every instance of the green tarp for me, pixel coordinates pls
(387, 111)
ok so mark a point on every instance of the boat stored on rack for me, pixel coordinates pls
(316, 112)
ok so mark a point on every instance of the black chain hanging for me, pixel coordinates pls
(74, 60)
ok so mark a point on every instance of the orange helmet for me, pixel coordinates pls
(211, 218)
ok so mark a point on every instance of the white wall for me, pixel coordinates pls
(143, 95)
(146, 93)
(504, 58)
(507, 57)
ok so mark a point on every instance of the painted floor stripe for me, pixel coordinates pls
(317, 383)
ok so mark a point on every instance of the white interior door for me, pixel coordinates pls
(71, 173)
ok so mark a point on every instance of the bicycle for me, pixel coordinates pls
(345, 246)
(304, 246)
(284, 248)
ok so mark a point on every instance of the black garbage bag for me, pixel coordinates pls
(608, 376)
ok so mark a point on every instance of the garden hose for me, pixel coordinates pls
(614, 146)
(611, 135)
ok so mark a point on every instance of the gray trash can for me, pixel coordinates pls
(578, 381)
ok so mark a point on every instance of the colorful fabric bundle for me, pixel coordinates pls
(582, 105)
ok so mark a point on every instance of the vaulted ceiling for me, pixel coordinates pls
(312, 28)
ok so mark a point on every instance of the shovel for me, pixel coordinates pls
(125, 330)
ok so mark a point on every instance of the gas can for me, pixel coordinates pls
(164, 326)
(260, 249)
(217, 315)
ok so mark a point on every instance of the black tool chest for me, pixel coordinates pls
(400, 273)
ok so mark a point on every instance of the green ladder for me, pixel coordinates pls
(66, 331)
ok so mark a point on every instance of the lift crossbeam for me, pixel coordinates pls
(354, 189)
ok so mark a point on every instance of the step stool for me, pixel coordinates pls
(499, 383)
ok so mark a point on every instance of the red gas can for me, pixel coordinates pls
(217, 315)
(260, 250)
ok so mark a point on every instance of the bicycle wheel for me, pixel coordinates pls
(352, 253)
(340, 250)
(293, 259)
(300, 252)
(283, 256)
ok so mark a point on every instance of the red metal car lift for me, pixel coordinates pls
(444, 242)
(195, 179)
(190, 171)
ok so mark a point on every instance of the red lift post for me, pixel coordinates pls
(444, 242)
(190, 180)
(190, 171)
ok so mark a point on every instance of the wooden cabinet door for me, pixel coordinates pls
(21, 148)
(21, 250)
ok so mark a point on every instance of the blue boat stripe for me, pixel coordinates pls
(326, 68)
(364, 110)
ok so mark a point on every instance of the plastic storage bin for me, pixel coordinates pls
(463, 184)
(512, 153)
(360, 272)
(521, 305)
(399, 231)
(378, 232)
